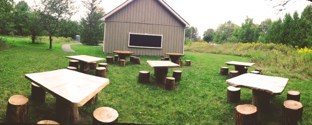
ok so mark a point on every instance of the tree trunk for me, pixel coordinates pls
(33, 38)
(50, 38)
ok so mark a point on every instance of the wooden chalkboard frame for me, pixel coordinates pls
(143, 43)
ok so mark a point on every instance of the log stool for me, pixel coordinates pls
(72, 68)
(292, 112)
(245, 114)
(109, 59)
(132, 59)
(293, 95)
(74, 63)
(104, 65)
(17, 109)
(101, 72)
(255, 72)
(37, 93)
(170, 83)
(105, 115)
(259, 70)
(177, 74)
(233, 94)
(92, 65)
(47, 122)
(233, 73)
(116, 58)
(122, 62)
(187, 62)
(224, 70)
(136, 60)
(144, 77)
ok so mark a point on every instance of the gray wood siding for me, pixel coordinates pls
(117, 35)
(146, 12)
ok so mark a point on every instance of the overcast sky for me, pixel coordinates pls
(205, 14)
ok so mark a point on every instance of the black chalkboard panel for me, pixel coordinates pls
(139, 40)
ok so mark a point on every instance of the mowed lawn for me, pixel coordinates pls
(199, 99)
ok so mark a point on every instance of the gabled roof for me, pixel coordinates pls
(160, 1)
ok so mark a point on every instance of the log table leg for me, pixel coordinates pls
(122, 56)
(261, 99)
(240, 69)
(84, 67)
(37, 94)
(175, 59)
(66, 112)
(160, 75)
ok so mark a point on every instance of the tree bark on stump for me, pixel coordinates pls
(122, 62)
(233, 94)
(170, 83)
(245, 114)
(187, 62)
(47, 122)
(293, 95)
(160, 75)
(132, 59)
(233, 73)
(177, 74)
(103, 65)
(37, 94)
(240, 69)
(116, 58)
(104, 115)
(292, 112)
(66, 112)
(136, 60)
(74, 63)
(224, 70)
(109, 59)
(261, 99)
(92, 65)
(101, 72)
(84, 67)
(17, 110)
(144, 77)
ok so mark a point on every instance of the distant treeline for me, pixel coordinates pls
(292, 30)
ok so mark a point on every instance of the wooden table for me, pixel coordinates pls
(84, 60)
(161, 70)
(72, 89)
(264, 87)
(123, 54)
(175, 57)
(241, 67)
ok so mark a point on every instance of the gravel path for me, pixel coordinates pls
(67, 48)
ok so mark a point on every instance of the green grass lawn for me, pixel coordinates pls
(199, 99)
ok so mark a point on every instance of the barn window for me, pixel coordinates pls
(145, 40)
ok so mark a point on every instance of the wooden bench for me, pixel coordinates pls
(105, 115)
(17, 110)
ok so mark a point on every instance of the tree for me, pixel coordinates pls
(68, 28)
(208, 35)
(92, 26)
(6, 6)
(191, 33)
(20, 17)
(224, 32)
(263, 29)
(248, 32)
(306, 25)
(274, 34)
(52, 11)
(34, 25)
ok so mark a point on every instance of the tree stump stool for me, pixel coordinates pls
(170, 83)
(17, 109)
(37, 93)
(47, 122)
(259, 70)
(132, 59)
(233, 94)
(122, 62)
(109, 59)
(292, 112)
(136, 60)
(144, 77)
(255, 72)
(72, 68)
(116, 58)
(224, 70)
(101, 72)
(233, 73)
(103, 65)
(293, 95)
(187, 62)
(92, 65)
(177, 74)
(74, 63)
(245, 114)
(105, 115)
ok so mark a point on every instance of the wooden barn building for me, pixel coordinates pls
(145, 27)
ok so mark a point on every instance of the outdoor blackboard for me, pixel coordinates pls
(148, 41)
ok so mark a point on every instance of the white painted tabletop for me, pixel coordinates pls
(159, 64)
(240, 63)
(73, 86)
(85, 58)
(270, 84)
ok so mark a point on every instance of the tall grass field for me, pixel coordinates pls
(200, 97)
